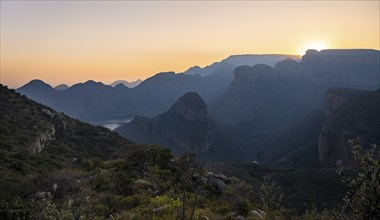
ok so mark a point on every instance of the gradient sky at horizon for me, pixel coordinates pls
(73, 41)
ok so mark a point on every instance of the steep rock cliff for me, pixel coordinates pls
(355, 68)
(185, 127)
(350, 114)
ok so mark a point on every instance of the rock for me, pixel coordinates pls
(239, 217)
(224, 178)
(156, 193)
(258, 73)
(349, 114)
(158, 210)
(185, 127)
(203, 179)
(259, 213)
(347, 66)
(218, 184)
(336, 97)
(43, 140)
(48, 113)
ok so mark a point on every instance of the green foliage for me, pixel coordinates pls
(363, 196)
(271, 196)
(88, 172)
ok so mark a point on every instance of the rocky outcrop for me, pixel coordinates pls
(187, 124)
(48, 113)
(254, 74)
(289, 68)
(191, 107)
(357, 68)
(350, 114)
(43, 140)
(217, 181)
(260, 97)
(185, 127)
(336, 97)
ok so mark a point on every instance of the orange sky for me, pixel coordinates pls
(73, 41)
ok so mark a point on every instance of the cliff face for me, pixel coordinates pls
(187, 124)
(185, 127)
(336, 97)
(354, 68)
(43, 140)
(245, 75)
(259, 96)
(350, 114)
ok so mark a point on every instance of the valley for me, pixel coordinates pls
(247, 142)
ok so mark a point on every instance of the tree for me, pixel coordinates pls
(363, 196)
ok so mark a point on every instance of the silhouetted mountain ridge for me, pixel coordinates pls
(61, 87)
(131, 84)
(300, 83)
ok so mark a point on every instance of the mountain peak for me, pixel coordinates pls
(36, 84)
(125, 83)
(61, 87)
(36, 81)
(191, 106)
(185, 127)
(91, 82)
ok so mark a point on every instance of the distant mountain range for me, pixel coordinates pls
(132, 84)
(261, 106)
(90, 100)
(61, 87)
(239, 60)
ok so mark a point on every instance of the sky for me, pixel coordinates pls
(74, 41)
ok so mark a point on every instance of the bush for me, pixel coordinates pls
(363, 196)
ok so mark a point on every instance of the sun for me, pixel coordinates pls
(313, 45)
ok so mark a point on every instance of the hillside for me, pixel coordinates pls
(36, 139)
(55, 167)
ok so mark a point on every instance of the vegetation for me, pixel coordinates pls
(363, 197)
(87, 172)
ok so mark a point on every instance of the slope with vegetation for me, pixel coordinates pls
(55, 167)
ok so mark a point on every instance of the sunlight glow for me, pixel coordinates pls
(313, 45)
